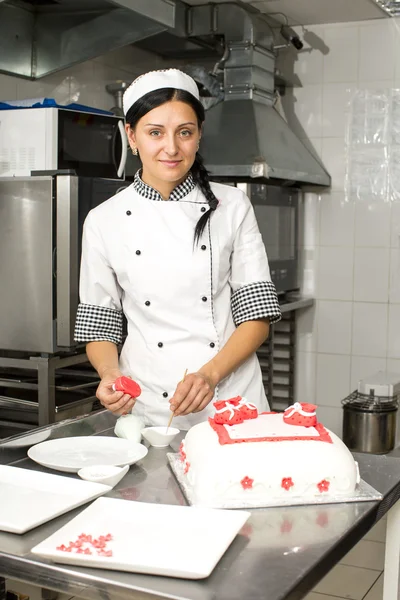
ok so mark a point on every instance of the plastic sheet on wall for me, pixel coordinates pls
(373, 145)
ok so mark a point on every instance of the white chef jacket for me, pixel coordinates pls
(182, 301)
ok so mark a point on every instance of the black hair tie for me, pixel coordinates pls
(213, 203)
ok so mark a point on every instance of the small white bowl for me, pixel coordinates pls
(106, 474)
(159, 437)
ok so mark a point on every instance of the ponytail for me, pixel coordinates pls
(200, 176)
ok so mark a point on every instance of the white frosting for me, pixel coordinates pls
(268, 426)
(216, 470)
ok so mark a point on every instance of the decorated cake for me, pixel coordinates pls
(242, 458)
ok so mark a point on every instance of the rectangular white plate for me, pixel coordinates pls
(30, 498)
(157, 539)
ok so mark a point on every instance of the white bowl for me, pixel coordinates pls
(159, 437)
(106, 474)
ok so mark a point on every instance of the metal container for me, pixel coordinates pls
(369, 423)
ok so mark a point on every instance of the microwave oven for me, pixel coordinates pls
(277, 212)
(88, 144)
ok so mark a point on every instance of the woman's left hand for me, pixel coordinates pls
(192, 394)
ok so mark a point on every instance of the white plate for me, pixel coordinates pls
(74, 453)
(157, 539)
(30, 498)
(23, 441)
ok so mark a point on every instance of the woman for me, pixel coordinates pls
(184, 261)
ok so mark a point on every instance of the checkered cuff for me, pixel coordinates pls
(98, 324)
(255, 301)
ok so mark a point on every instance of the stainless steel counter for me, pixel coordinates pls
(280, 554)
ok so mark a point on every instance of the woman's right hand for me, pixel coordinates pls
(116, 402)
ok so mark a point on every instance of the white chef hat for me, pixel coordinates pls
(156, 80)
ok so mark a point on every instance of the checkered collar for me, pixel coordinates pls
(181, 190)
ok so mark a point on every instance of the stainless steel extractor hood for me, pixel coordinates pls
(244, 135)
(38, 37)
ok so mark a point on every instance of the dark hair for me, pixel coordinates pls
(199, 173)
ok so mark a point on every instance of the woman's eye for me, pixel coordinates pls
(155, 133)
(186, 133)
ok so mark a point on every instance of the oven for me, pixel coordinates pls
(277, 213)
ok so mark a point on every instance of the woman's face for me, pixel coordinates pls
(167, 139)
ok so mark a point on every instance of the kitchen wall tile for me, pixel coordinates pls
(103, 75)
(333, 379)
(394, 331)
(309, 67)
(373, 223)
(337, 220)
(377, 50)
(395, 225)
(334, 327)
(370, 327)
(335, 108)
(393, 365)
(340, 63)
(397, 51)
(308, 111)
(8, 88)
(304, 390)
(306, 329)
(371, 274)
(85, 75)
(309, 220)
(335, 273)
(332, 418)
(394, 289)
(363, 366)
(333, 157)
(307, 271)
(40, 88)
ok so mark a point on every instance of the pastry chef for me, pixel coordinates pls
(182, 258)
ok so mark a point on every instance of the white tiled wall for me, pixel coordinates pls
(91, 76)
(350, 249)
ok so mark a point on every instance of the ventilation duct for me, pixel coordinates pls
(39, 37)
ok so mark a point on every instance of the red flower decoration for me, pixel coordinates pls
(286, 526)
(247, 483)
(182, 452)
(323, 485)
(187, 467)
(287, 483)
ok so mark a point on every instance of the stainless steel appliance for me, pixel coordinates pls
(370, 414)
(41, 220)
(50, 139)
(277, 212)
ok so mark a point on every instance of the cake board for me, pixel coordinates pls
(363, 493)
